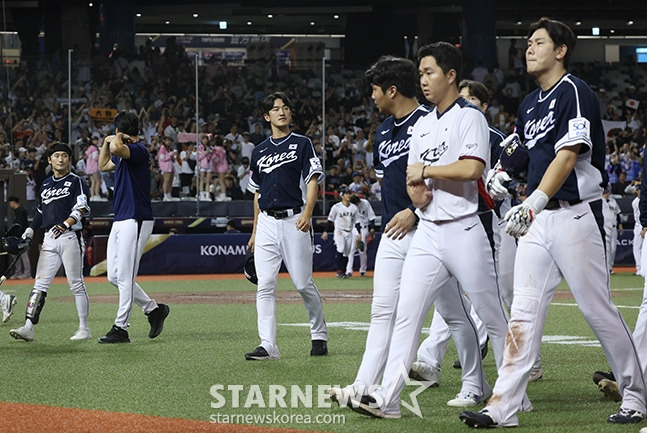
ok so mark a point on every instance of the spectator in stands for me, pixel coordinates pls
(359, 185)
(232, 227)
(233, 191)
(257, 135)
(246, 146)
(620, 186)
(243, 178)
(165, 157)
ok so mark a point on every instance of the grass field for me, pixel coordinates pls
(204, 345)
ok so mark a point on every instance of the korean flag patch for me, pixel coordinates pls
(66, 183)
(580, 127)
(292, 146)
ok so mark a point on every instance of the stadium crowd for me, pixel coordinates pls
(160, 86)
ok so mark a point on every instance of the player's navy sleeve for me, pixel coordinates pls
(496, 137)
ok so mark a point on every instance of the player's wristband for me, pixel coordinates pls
(422, 175)
(66, 224)
(76, 215)
(536, 201)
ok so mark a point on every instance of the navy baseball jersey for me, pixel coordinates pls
(565, 115)
(496, 137)
(390, 155)
(132, 198)
(277, 165)
(58, 198)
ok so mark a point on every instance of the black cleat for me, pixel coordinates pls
(319, 348)
(156, 319)
(477, 419)
(259, 354)
(115, 335)
(626, 416)
(599, 375)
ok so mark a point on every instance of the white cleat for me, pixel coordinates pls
(22, 333)
(8, 303)
(467, 399)
(423, 372)
(81, 334)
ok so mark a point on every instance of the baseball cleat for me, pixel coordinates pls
(626, 416)
(467, 399)
(610, 389)
(366, 405)
(319, 348)
(81, 334)
(342, 396)
(8, 302)
(477, 419)
(599, 375)
(423, 372)
(156, 319)
(115, 335)
(536, 373)
(259, 354)
(22, 333)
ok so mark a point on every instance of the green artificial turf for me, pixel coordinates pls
(203, 346)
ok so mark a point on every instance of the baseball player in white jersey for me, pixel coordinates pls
(367, 224)
(394, 82)
(561, 219)
(611, 212)
(284, 172)
(62, 205)
(343, 218)
(132, 226)
(638, 237)
(450, 148)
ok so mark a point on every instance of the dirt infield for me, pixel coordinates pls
(18, 417)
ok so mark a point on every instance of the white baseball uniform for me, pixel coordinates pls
(637, 240)
(391, 150)
(366, 215)
(611, 210)
(449, 226)
(565, 241)
(344, 217)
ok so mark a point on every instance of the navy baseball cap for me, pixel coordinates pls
(344, 190)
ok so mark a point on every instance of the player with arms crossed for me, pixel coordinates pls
(395, 83)
(344, 218)
(63, 203)
(560, 230)
(124, 154)
(284, 172)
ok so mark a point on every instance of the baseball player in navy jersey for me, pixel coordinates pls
(394, 83)
(367, 224)
(445, 174)
(560, 230)
(343, 218)
(62, 205)
(124, 154)
(284, 172)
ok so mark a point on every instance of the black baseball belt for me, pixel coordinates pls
(279, 214)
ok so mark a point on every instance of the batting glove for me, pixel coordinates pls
(520, 217)
(28, 234)
(57, 230)
(494, 182)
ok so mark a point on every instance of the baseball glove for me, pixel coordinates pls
(249, 268)
(514, 158)
(14, 245)
(359, 245)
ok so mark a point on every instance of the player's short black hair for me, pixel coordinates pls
(447, 56)
(476, 89)
(127, 122)
(394, 71)
(13, 198)
(60, 147)
(560, 33)
(268, 102)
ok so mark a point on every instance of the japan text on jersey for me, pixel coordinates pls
(279, 170)
(567, 114)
